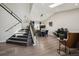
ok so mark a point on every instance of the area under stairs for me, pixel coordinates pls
(22, 37)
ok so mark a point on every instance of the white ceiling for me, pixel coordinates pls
(43, 8)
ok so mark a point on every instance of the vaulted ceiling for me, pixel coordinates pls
(41, 11)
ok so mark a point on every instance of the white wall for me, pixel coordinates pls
(22, 10)
(66, 19)
(6, 20)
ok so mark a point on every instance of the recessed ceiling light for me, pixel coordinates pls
(55, 5)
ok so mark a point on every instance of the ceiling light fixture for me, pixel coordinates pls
(55, 5)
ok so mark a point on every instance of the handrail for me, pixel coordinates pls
(11, 27)
(10, 12)
(33, 35)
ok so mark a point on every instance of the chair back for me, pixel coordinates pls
(46, 31)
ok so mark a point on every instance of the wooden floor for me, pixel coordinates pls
(47, 46)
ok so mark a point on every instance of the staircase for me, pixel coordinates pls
(23, 37)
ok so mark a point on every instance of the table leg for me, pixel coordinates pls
(58, 50)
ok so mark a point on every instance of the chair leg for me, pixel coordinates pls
(58, 50)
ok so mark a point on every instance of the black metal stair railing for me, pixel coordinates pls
(10, 12)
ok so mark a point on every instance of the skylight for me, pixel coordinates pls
(55, 5)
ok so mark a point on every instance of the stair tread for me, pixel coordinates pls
(23, 35)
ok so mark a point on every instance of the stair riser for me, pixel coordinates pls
(18, 39)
